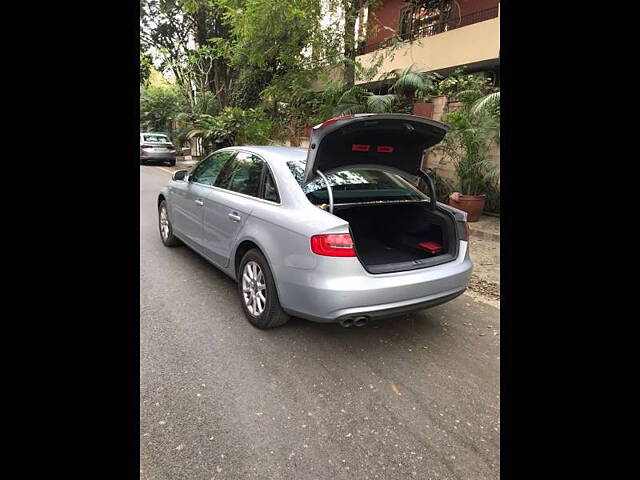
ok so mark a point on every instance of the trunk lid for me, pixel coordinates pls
(393, 142)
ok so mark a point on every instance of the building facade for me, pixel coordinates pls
(433, 35)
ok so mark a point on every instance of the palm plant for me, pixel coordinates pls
(207, 128)
(359, 100)
(410, 83)
(468, 143)
(487, 104)
(407, 85)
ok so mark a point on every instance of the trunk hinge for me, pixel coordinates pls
(432, 189)
(329, 190)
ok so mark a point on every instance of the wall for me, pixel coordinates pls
(388, 14)
(471, 6)
(472, 43)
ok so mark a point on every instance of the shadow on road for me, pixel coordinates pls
(378, 335)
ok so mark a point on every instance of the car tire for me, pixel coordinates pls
(271, 315)
(166, 234)
(172, 163)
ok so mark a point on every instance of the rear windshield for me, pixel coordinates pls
(155, 139)
(354, 186)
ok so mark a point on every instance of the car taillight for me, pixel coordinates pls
(332, 120)
(334, 245)
(467, 229)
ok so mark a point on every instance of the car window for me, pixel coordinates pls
(356, 185)
(242, 174)
(207, 171)
(155, 139)
(201, 167)
(270, 190)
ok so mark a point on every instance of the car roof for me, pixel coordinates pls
(275, 153)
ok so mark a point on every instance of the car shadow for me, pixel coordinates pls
(404, 331)
(155, 163)
(380, 334)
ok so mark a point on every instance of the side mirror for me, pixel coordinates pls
(180, 175)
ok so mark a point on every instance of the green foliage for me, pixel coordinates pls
(272, 35)
(249, 78)
(359, 100)
(467, 143)
(247, 90)
(462, 87)
(492, 202)
(146, 63)
(328, 103)
(158, 107)
(279, 49)
(291, 103)
(168, 28)
(444, 186)
(407, 85)
(472, 131)
(410, 82)
(233, 126)
(488, 104)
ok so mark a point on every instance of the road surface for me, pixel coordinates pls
(416, 397)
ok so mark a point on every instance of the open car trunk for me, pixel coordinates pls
(393, 227)
(387, 237)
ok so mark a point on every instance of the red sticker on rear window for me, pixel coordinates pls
(360, 148)
(385, 149)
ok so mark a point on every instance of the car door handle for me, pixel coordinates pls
(199, 202)
(234, 216)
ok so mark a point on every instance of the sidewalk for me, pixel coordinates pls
(488, 227)
(185, 162)
(180, 165)
(485, 255)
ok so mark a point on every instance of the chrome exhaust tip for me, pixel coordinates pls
(347, 322)
(361, 321)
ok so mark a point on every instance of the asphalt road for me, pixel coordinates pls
(416, 397)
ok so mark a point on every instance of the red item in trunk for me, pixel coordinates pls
(431, 247)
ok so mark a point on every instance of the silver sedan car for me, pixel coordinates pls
(334, 233)
(156, 147)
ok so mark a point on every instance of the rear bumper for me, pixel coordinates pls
(396, 311)
(165, 156)
(340, 287)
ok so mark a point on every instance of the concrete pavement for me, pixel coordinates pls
(406, 398)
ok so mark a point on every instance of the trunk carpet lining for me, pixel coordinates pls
(389, 234)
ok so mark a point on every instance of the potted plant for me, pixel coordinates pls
(423, 109)
(467, 144)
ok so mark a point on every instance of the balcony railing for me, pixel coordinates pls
(431, 29)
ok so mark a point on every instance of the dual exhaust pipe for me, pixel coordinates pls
(360, 321)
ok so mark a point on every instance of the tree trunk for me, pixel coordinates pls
(351, 9)
(294, 138)
(209, 24)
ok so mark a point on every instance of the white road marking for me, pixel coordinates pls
(165, 170)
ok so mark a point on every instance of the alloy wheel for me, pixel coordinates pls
(254, 288)
(164, 223)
